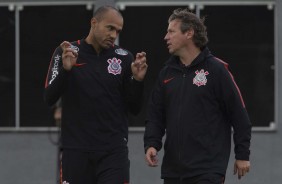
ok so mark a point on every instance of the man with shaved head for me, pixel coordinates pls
(99, 83)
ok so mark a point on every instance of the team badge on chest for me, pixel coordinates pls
(114, 66)
(200, 79)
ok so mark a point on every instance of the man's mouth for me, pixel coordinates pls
(109, 42)
(168, 45)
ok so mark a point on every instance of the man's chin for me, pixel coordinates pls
(107, 46)
(171, 51)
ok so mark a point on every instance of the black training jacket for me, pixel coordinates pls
(96, 96)
(196, 106)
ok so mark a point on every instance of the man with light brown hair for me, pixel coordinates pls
(195, 103)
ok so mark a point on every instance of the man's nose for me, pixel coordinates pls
(114, 34)
(166, 37)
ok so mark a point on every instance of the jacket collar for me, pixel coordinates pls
(175, 62)
(89, 47)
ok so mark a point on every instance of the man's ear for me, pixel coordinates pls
(94, 22)
(189, 34)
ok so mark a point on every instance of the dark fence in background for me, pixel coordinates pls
(242, 36)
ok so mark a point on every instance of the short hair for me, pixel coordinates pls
(98, 14)
(191, 21)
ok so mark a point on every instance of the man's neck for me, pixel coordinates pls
(95, 47)
(188, 56)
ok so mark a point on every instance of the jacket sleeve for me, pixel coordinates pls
(134, 90)
(56, 79)
(155, 121)
(236, 112)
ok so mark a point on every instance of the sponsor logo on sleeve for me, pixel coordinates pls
(55, 69)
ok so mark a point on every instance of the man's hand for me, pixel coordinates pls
(151, 157)
(69, 55)
(241, 167)
(58, 115)
(139, 66)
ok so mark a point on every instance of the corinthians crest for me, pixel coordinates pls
(200, 78)
(114, 66)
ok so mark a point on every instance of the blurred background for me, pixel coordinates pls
(245, 34)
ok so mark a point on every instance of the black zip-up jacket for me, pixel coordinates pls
(196, 106)
(96, 94)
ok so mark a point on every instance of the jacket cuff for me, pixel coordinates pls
(137, 81)
(243, 156)
(149, 146)
(137, 85)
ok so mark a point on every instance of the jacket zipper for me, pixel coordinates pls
(180, 137)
